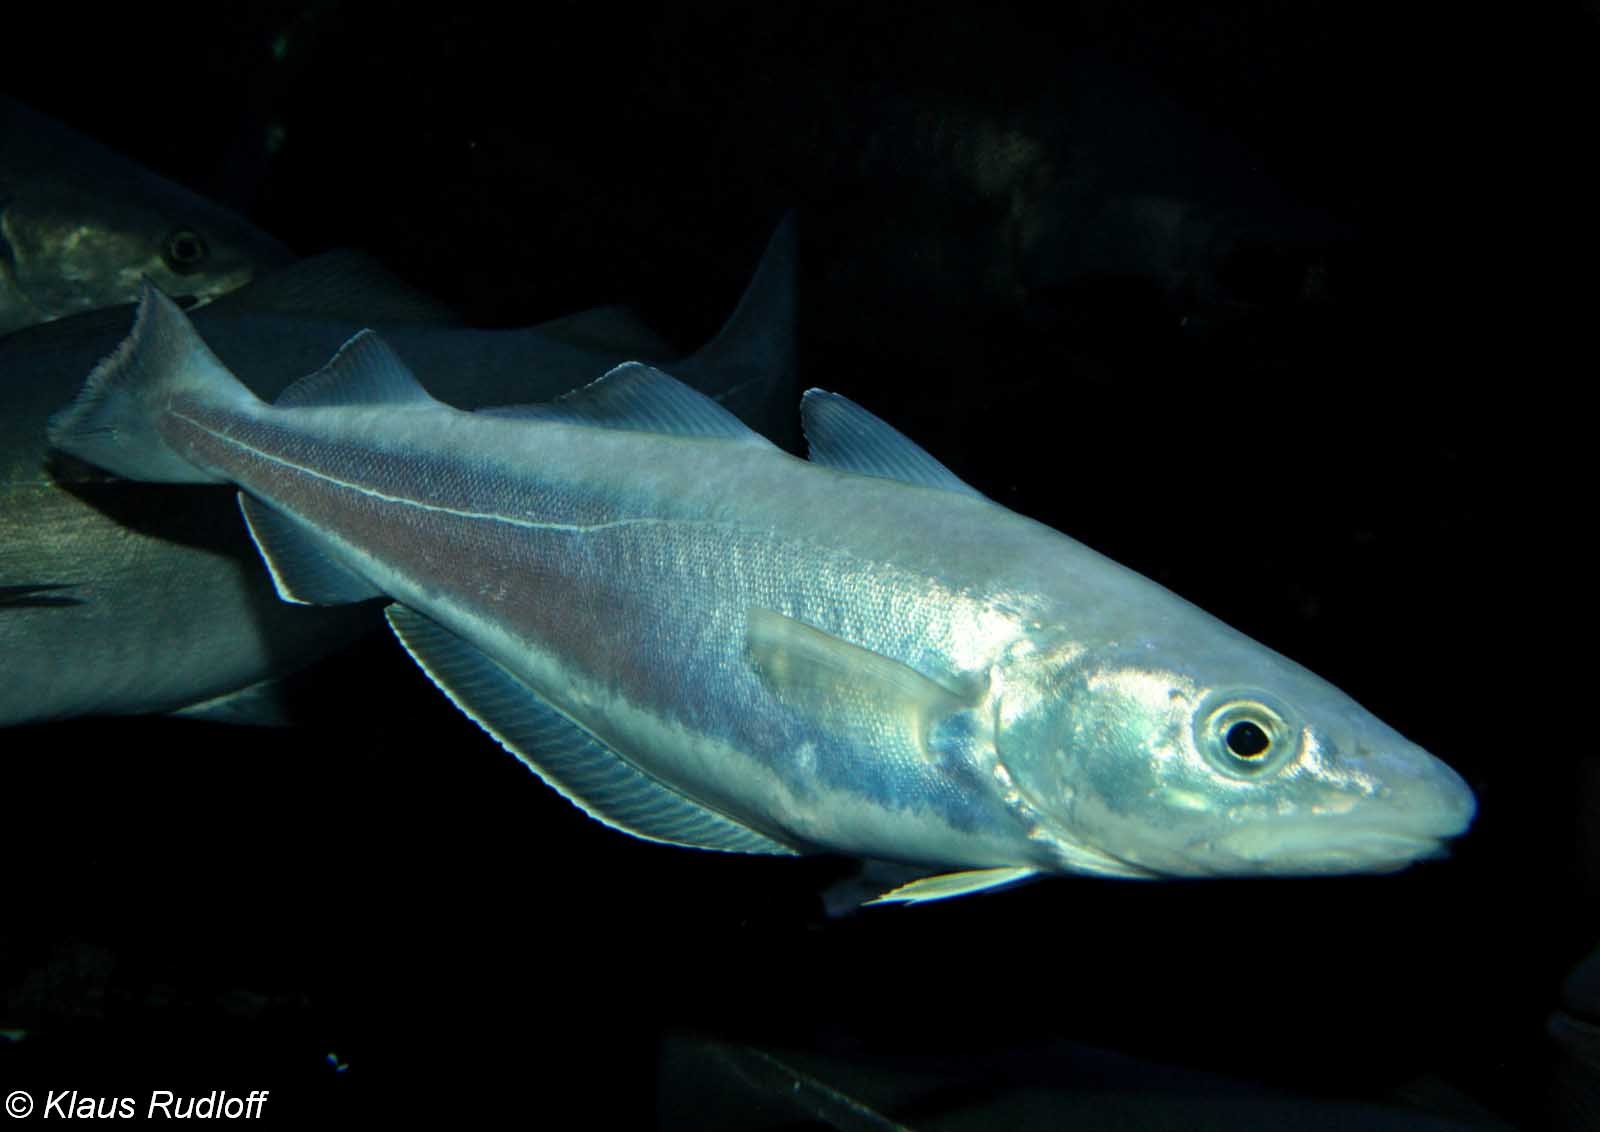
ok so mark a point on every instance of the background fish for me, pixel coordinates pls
(114, 600)
(1574, 1028)
(80, 225)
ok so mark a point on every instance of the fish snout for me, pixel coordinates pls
(1424, 797)
(1412, 807)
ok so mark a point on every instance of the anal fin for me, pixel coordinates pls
(580, 767)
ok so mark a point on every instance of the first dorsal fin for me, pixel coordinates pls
(639, 398)
(365, 371)
(843, 435)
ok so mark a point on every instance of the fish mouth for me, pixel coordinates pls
(1372, 846)
(1314, 848)
(1422, 805)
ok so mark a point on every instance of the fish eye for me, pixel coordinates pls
(184, 250)
(1245, 736)
(1247, 740)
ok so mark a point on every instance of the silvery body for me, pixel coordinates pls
(703, 640)
(119, 598)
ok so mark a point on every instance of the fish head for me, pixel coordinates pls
(70, 251)
(1215, 757)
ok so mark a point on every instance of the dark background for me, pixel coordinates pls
(1339, 427)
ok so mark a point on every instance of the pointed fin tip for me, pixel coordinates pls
(841, 434)
(364, 371)
(833, 681)
(304, 571)
(152, 308)
(946, 886)
(750, 364)
(640, 398)
(759, 335)
(113, 421)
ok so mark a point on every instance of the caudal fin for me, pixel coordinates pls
(114, 423)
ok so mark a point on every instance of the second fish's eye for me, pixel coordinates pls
(184, 250)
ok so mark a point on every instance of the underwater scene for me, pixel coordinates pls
(835, 568)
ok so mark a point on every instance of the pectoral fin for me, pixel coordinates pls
(946, 885)
(845, 687)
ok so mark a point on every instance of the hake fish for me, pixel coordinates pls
(702, 640)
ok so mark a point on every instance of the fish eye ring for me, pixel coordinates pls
(1245, 734)
(184, 250)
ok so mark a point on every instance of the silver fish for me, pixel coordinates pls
(702, 640)
(117, 599)
(80, 225)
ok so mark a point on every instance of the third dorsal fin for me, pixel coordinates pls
(639, 398)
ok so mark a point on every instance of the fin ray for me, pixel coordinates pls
(639, 398)
(365, 371)
(947, 885)
(114, 423)
(577, 765)
(843, 435)
(841, 684)
(303, 570)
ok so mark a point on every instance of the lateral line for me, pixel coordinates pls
(371, 493)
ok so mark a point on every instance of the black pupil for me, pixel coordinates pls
(1247, 740)
(185, 249)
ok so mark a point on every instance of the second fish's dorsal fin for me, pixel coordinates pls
(841, 434)
(365, 371)
(638, 398)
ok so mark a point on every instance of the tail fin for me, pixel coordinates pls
(114, 423)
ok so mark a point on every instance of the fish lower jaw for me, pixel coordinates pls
(1322, 851)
